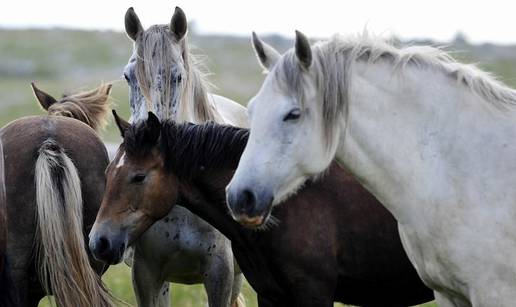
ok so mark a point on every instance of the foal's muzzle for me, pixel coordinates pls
(106, 246)
(249, 208)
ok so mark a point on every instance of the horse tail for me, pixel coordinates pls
(64, 267)
(7, 297)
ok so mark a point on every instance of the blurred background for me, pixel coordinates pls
(66, 46)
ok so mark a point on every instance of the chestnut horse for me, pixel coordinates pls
(53, 175)
(332, 242)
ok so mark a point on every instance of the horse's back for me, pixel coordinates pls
(233, 113)
(23, 138)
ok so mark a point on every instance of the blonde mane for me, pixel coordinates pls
(157, 51)
(334, 60)
(91, 107)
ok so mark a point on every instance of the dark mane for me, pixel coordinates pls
(189, 148)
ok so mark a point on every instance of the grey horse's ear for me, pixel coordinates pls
(178, 24)
(267, 56)
(303, 50)
(122, 124)
(44, 99)
(133, 26)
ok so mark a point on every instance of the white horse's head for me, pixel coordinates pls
(293, 131)
(157, 67)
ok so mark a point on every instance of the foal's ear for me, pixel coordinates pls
(133, 26)
(303, 50)
(44, 99)
(178, 24)
(152, 128)
(121, 124)
(267, 56)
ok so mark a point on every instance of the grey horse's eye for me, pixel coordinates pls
(294, 114)
(178, 78)
(126, 77)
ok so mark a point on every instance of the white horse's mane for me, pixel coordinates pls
(333, 62)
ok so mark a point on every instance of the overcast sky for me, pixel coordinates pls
(481, 21)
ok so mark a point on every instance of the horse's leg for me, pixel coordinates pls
(22, 279)
(238, 279)
(164, 295)
(150, 291)
(218, 280)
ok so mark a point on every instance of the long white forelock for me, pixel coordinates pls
(192, 103)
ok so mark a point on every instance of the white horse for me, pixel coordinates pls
(164, 77)
(432, 139)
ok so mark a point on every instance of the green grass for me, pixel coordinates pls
(118, 280)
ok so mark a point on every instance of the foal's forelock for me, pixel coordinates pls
(161, 56)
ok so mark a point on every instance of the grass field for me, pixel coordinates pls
(63, 60)
(118, 279)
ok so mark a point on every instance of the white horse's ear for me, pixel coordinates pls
(303, 50)
(133, 26)
(44, 99)
(178, 24)
(267, 56)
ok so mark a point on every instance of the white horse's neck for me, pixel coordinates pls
(214, 108)
(194, 103)
(419, 140)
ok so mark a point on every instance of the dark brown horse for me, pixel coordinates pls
(53, 175)
(306, 258)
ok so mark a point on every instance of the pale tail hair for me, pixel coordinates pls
(64, 267)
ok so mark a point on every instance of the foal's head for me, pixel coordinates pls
(139, 191)
(157, 69)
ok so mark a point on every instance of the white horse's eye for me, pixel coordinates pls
(292, 115)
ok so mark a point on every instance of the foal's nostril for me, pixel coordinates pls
(102, 245)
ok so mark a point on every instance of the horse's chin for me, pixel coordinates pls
(112, 257)
(258, 222)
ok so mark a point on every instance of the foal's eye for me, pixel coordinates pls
(138, 178)
(292, 115)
